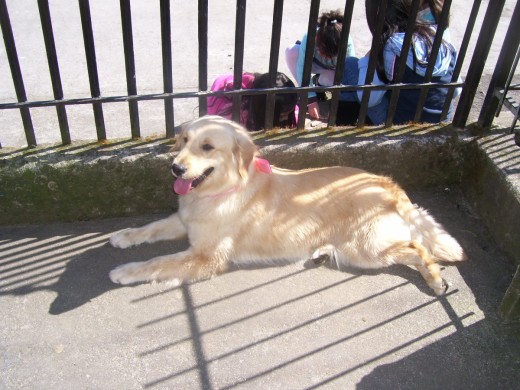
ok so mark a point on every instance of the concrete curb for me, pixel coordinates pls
(84, 181)
(89, 181)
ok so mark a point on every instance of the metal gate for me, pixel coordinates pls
(97, 99)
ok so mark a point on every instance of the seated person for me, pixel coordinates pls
(253, 107)
(325, 56)
(418, 57)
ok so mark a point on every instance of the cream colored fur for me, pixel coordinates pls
(241, 214)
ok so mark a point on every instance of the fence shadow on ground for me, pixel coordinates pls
(291, 321)
(74, 265)
(461, 360)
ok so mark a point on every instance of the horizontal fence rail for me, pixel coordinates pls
(203, 94)
(97, 99)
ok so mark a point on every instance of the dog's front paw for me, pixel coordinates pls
(122, 239)
(323, 254)
(127, 273)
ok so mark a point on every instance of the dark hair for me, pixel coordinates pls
(395, 21)
(436, 8)
(284, 105)
(328, 35)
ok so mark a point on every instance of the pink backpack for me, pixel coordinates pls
(223, 105)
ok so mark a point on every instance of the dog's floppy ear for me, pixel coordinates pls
(180, 133)
(245, 150)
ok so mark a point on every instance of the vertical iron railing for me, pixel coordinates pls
(276, 33)
(401, 65)
(372, 62)
(131, 79)
(510, 102)
(476, 67)
(342, 51)
(307, 65)
(52, 59)
(439, 36)
(166, 44)
(16, 73)
(90, 53)
(238, 67)
(203, 55)
(505, 63)
(461, 56)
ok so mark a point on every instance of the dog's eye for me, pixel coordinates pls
(185, 139)
(207, 147)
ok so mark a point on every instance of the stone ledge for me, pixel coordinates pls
(91, 180)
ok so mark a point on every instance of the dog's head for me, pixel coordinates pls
(214, 154)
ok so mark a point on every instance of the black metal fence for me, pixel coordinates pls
(502, 82)
(97, 99)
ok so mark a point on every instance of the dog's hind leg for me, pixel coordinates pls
(414, 253)
(183, 266)
(170, 228)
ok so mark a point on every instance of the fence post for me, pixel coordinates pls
(340, 64)
(309, 54)
(90, 53)
(485, 38)
(401, 65)
(273, 62)
(502, 69)
(238, 67)
(203, 55)
(131, 84)
(16, 73)
(166, 41)
(52, 59)
(442, 24)
(363, 109)
(460, 57)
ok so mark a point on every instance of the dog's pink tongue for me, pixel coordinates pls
(182, 186)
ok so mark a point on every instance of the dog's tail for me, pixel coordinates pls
(427, 231)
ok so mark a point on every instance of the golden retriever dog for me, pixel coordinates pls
(235, 208)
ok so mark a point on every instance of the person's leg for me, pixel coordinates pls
(377, 113)
(326, 76)
(291, 58)
(350, 77)
(347, 114)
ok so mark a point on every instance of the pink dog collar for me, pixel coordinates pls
(262, 165)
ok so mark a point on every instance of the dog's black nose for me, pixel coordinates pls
(178, 170)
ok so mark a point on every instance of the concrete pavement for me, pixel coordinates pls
(65, 325)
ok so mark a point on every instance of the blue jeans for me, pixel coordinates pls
(377, 113)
